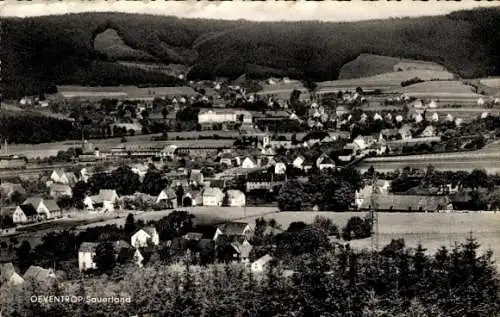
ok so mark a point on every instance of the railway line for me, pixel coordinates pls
(32, 169)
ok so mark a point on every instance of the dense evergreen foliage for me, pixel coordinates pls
(33, 129)
(329, 189)
(397, 281)
(42, 51)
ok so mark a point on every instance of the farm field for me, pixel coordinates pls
(491, 166)
(444, 92)
(122, 92)
(444, 87)
(204, 215)
(169, 69)
(433, 230)
(386, 82)
(487, 159)
(283, 90)
(491, 82)
(370, 64)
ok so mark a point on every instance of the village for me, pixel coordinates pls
(265, 161)
(295, 139)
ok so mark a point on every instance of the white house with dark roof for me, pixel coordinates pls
(234, 230)
(405, 203)
(280, 168)
(196, 177)
(107, 198)
(86, 254)
(167, 195)
(260, 265)
(46, 208)
(428, 132)
(249, 162)
(39, 274)
(298, 162)
(24, 214)
(236, 198)
(9, 276)
(363, 195)
(8, 189)
(213, 196)
(58, 190)
(242, 250)
(62, 177)
(324, 162)
(145, 237)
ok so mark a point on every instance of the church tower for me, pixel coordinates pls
(266, 140)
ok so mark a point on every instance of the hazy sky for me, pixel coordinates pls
(254, 10)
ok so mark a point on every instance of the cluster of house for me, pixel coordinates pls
(9, 276)
(233, 239)
(124, 251)
(376, 196)
(34, 209)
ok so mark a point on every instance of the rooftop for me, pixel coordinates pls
(233, 228)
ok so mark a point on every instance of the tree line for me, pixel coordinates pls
(330, 189)
(396, 281)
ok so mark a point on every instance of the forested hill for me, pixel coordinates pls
(40, 52)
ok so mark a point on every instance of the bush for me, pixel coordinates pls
(357, 228)
(412, 81)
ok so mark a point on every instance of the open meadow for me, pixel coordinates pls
(487, 159)
(491, 82)
(385, 82)
(283, 90)
(449, 92)
(433, 230)
(123, 92)
(204, 215)
(371, 64)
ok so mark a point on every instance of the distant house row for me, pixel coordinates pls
(10, 276)
(235, 234)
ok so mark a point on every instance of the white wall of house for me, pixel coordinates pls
(42, 210)
(138, 258)
(19, 216)
(155, 239)
(88, 203)
(142, 239)
(280, 168)
(325, 166)
(108, 205)
(15, 279)
(210, 200)
(360, 142)
(298, 162)
(248, 163)
(218, 232)
(258, 267)
(86, 261)
(213, 200)
(214, 117)
(237, 200)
